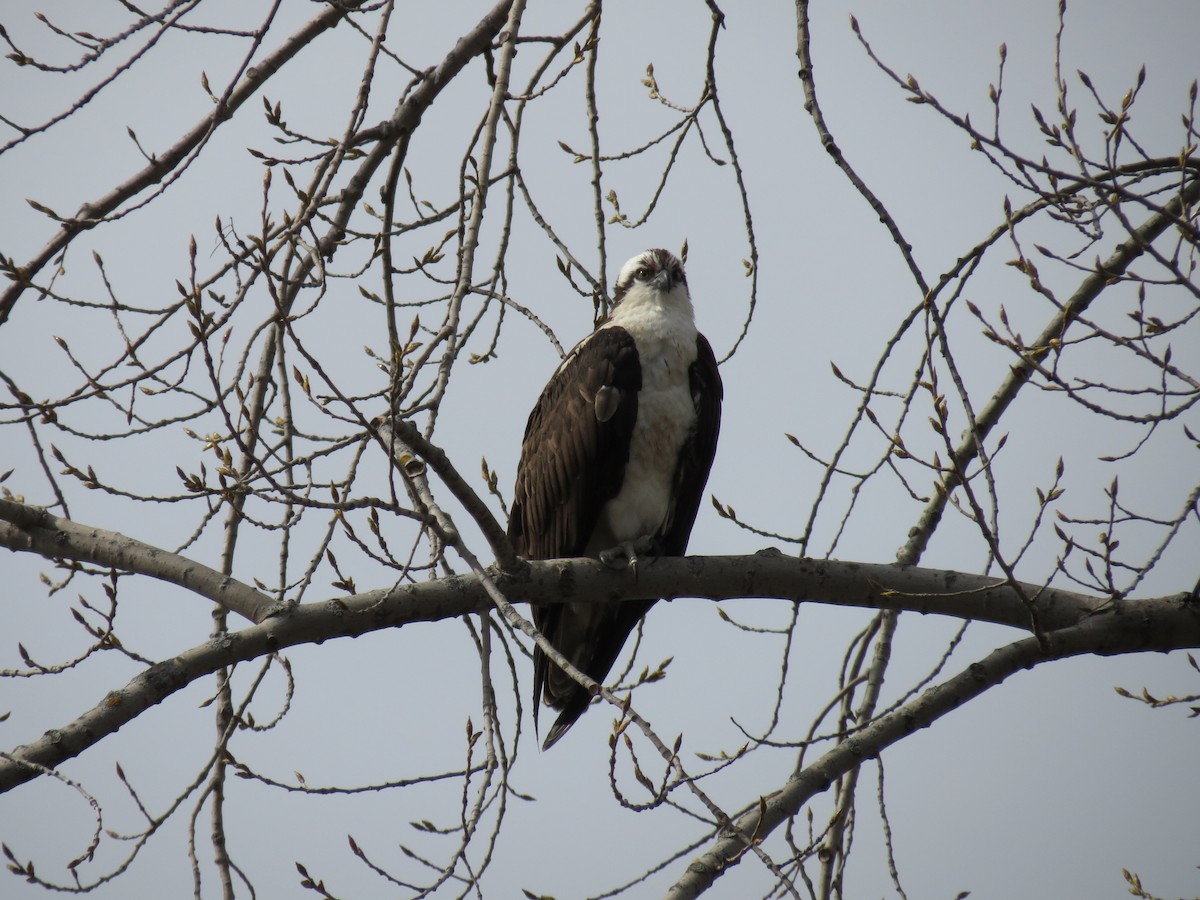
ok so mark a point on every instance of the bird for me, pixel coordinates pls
(614, 461)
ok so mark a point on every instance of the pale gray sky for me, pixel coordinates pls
(1046, 787)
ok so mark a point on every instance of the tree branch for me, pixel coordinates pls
(766, 574)
(401, 436)
(31, 529)
(1159, 624)
(1089, 289)
(1123, 629)
(91, 214)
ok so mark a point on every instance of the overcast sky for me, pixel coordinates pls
(1047, 786)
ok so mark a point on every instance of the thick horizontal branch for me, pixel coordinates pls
(1151, 624)
(33, 529)
(767, 574)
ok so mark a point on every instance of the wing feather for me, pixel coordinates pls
(696, 455)
(573, 462)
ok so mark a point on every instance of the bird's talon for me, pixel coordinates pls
(614, 558)
(625, 555)
(621, 556)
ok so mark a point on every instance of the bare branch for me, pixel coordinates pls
(1153, 624)
(33, 530)
(1100, 634)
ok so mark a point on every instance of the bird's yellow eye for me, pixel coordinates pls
(642, 273)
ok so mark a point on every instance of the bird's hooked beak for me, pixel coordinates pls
(664, 280)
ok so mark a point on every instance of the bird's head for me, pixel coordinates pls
(651, 274)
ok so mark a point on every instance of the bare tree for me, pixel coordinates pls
(284, 432)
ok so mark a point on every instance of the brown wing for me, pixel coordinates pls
(573, 462)
(696, 455)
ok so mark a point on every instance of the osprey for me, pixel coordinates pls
(613, 464)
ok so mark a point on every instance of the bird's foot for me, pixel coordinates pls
(625, 554)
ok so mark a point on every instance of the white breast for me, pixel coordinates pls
(665, 334)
